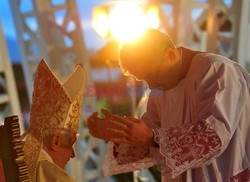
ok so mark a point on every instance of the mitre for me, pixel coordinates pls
(54, 106)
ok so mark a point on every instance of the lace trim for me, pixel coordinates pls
(127, 153)
(242, 176)
(159, 161)
(187, 147)
(124, 158)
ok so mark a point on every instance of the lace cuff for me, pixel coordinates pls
(187, 147)
(125, 158)
(242, 176)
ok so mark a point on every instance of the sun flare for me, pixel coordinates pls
(126, 21)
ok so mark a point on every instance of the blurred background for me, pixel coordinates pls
(88, 32)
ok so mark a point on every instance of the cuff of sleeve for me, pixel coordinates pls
(187, 147)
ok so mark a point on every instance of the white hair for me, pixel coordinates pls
(49, 132)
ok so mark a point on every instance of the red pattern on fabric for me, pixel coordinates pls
(243, 176)
(185, 147)
(193, 142)
(129, 153)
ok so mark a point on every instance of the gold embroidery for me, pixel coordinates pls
(51, 108)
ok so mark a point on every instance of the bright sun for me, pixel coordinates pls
(126, 21)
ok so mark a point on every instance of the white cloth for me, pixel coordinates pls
(202, 125)
(48, 171)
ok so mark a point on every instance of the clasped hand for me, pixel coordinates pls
(119, 129)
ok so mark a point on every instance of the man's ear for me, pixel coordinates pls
(170, 55)
(55, 142)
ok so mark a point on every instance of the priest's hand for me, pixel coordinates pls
(137, 134)
(106, 128)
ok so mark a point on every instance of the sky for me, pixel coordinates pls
(92, 40)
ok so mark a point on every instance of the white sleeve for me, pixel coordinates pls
(125, 158)
(220, 96)
(220, 100)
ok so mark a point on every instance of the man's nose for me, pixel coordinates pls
(73, 154)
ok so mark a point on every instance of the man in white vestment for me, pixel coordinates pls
(55, 114)
(197, 129)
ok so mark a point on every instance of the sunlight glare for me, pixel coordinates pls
(127, 22)
(152, 17)
(100, 21)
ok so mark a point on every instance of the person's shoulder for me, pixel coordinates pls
(205, 62)
(206, 58)
(214, 66)
(46, 163)
(50, 171)
(208, 66)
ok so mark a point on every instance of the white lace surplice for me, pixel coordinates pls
(201, 125)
